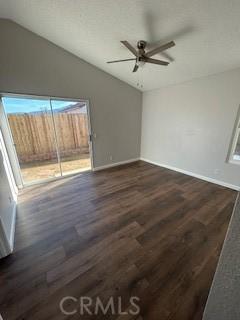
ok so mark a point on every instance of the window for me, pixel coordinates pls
(235, 149)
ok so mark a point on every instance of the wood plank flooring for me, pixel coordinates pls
(135, 230)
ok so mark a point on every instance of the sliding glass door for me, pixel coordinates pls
(31, 125)
(71, 124)
(50, 137)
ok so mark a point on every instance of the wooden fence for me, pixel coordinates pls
(34, 140)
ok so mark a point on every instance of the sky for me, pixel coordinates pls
(16, 105)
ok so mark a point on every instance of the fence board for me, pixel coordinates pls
(33, 135)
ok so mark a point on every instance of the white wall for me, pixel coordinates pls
(189, 126)
(8, 199)
(32, 65)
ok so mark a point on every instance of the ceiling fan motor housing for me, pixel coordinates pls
(141, 44)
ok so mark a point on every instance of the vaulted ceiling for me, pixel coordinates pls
(206, 32)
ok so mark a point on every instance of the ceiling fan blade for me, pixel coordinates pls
(155, 61)
(130, 47)
(135, 68)
(121, 60)
(160, 49)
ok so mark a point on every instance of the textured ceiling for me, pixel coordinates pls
(206, 32)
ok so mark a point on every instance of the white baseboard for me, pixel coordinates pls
(115, 164)
(189, 173)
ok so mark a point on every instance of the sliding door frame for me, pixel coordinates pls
(21, 184)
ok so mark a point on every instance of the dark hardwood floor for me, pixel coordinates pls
(135, 230)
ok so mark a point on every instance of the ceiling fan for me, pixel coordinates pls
(141, 56)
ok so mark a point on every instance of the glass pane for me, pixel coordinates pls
(71, 125)
(236, 155)
(32, 130)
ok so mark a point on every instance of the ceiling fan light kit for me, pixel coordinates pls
(141, 56)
